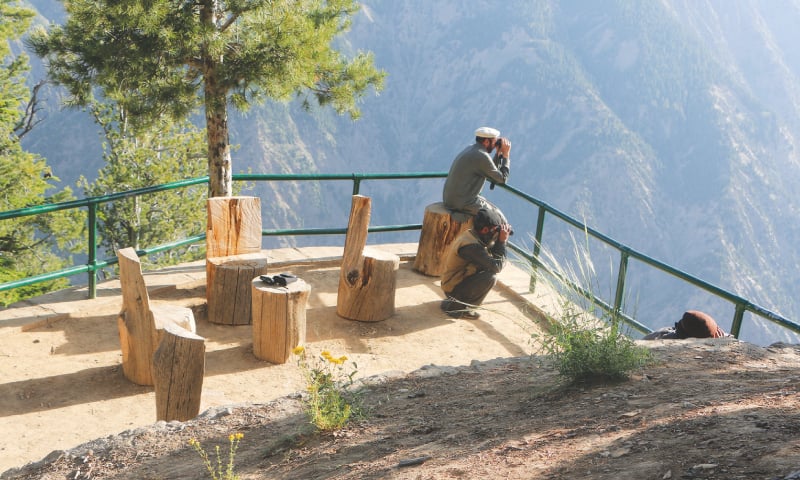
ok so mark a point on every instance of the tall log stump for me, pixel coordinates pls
(178, 369)
(368, 278)
(229, 294)
(141, 325)
(233, 239)
(439, 229)
(234, 226)
(279, 319)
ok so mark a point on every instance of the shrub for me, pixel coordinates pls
(330, 402)
(584, 340)
(584, 352)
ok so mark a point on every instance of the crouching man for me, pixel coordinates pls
(472, 263)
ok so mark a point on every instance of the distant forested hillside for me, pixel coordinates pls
(670, 126)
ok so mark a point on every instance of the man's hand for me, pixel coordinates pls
(505, 231)
(505, 147)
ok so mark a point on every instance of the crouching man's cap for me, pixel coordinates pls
(487, 132)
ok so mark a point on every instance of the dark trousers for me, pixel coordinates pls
(470, 292)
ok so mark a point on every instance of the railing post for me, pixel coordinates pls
(738, 316)
(623, 269)
(356, 184)
(537, 247)
(92, 260)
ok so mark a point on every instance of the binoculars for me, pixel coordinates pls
(279, 280)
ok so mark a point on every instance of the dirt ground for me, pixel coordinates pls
(445, 399)
(62, 382)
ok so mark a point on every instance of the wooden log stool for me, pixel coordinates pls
(439, 229)
(178, 369)
(229, 294)
(368, 278)
(279, 319)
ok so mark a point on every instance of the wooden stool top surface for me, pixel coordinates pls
(298, 285)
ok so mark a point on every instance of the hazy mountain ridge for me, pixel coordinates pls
(670, 126)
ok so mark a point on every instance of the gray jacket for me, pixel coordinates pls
(470, 169)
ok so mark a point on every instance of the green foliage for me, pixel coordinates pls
(137, 158)
(330, 404)
(28, 245)
(220, 471)
(585, 340)
(156, 58)
(583, 352)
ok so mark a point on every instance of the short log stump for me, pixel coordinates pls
(439, 230)
(279, 319)
(228, 289)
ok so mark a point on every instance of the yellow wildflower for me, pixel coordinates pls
(299, 350)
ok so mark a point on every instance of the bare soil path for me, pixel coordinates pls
(447, 399)
(61, 382)
(714, 409)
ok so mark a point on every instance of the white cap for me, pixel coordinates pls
(487, 132)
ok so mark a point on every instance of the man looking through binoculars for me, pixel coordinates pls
(472, 167)
(472, 263)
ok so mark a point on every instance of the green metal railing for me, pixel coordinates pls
(93, 265)
(741, 305)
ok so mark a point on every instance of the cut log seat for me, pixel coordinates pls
(368, 277)
(178, 369)
(439, 229)
(279, 319)
(141, 325)
(229, 294)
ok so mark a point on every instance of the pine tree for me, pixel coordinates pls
(157, 57)
(33, 244)
(160, 153)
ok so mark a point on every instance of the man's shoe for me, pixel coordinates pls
(465, 314)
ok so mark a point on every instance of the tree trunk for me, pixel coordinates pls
(220, 180)
(233, 257)
(228, 293)
(367, 293)
(357, 231)
(141, 325)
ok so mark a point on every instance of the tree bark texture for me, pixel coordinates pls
(220, 178)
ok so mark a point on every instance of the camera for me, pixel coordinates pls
(498, 142)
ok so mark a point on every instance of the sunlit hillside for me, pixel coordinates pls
(670, 126)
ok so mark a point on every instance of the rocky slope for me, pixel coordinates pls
(670, 126)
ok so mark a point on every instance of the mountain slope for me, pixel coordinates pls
(670, 126)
